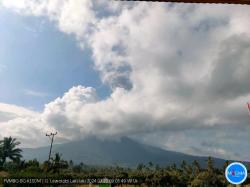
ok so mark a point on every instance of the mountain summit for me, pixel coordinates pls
(125, 152)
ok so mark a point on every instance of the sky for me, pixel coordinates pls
(171, 75)
(34, 73)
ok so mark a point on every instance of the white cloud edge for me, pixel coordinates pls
(121, 99)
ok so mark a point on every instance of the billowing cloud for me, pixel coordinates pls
(16, 111)
(179, 75)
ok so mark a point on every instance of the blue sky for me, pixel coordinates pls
(33, 72)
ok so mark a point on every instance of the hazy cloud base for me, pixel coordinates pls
(179, 75)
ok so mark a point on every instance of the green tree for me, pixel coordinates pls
(58, 163)
(71, 164)
(33, 165)
(1, 159)
(211, 177)
(226, 163)
(8, 150)
(207, 179)
(210, 165)
(196, 168)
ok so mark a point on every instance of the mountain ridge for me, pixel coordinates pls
(125, 152)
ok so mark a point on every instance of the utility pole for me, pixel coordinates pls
(51, 136)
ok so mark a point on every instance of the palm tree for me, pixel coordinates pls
(8, 150)
(58, 163)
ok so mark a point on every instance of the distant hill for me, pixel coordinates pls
(125, 152)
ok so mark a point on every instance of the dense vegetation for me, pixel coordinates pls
(12, 165)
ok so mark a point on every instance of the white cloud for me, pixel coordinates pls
(21, 123)
(35, 93)
(16, 110)
(173, 69)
